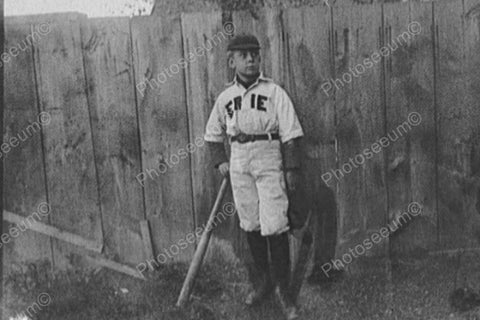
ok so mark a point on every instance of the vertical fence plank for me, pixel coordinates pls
(308, 33)
(164, 132)
(111, 99)
(71, 178)
(360, 113)
(472, 100)
(457, 120)
(24, 175)
(2, 114)
(206, 76)
(360, 116)
(410, 92)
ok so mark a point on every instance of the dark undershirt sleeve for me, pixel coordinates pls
(291, 154)
(217, 152)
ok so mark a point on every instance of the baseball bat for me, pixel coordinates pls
(201, 249)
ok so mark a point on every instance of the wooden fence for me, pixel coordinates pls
(114, 115)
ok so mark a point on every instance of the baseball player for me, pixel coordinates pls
(258, 118)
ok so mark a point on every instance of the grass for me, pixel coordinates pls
(419, 290)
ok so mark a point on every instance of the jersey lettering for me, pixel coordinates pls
(260, 100)
(256, 102)
(238, 102)
(228, 106)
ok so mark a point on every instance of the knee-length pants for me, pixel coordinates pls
(258, 185)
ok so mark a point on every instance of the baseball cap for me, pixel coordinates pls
(244, 42)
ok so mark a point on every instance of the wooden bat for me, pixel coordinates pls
(201, 249)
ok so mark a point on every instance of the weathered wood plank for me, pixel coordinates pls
(111, 99)
(24, 171)
(2, 109)
(69, 159)
(411, 123)
(360, 124)
(164, 132)
(115, 266)
(308, 65)
(360, 114)
(472, 79)
(458, 122)
(206, 76)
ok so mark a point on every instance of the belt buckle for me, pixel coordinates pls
(243, 138)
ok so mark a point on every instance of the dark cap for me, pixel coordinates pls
(244, 42)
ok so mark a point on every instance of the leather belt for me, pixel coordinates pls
(244, 138)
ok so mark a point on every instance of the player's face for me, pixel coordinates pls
(246, 62)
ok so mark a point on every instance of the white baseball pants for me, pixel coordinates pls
(258, 185)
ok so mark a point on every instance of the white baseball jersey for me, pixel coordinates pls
(262, 108)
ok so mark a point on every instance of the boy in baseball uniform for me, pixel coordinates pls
(258, 118)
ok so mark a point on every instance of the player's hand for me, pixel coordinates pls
(293, 179)
(224, 168)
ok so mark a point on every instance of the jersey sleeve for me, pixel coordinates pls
(216, 124)
(288, 124)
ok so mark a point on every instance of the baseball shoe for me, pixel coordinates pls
(261, 292)
(280, 254)
(288, 307)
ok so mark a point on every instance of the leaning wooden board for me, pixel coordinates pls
(24, 168)
(411, 159)
(109, 72)
(164, 132)
(69, 158)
